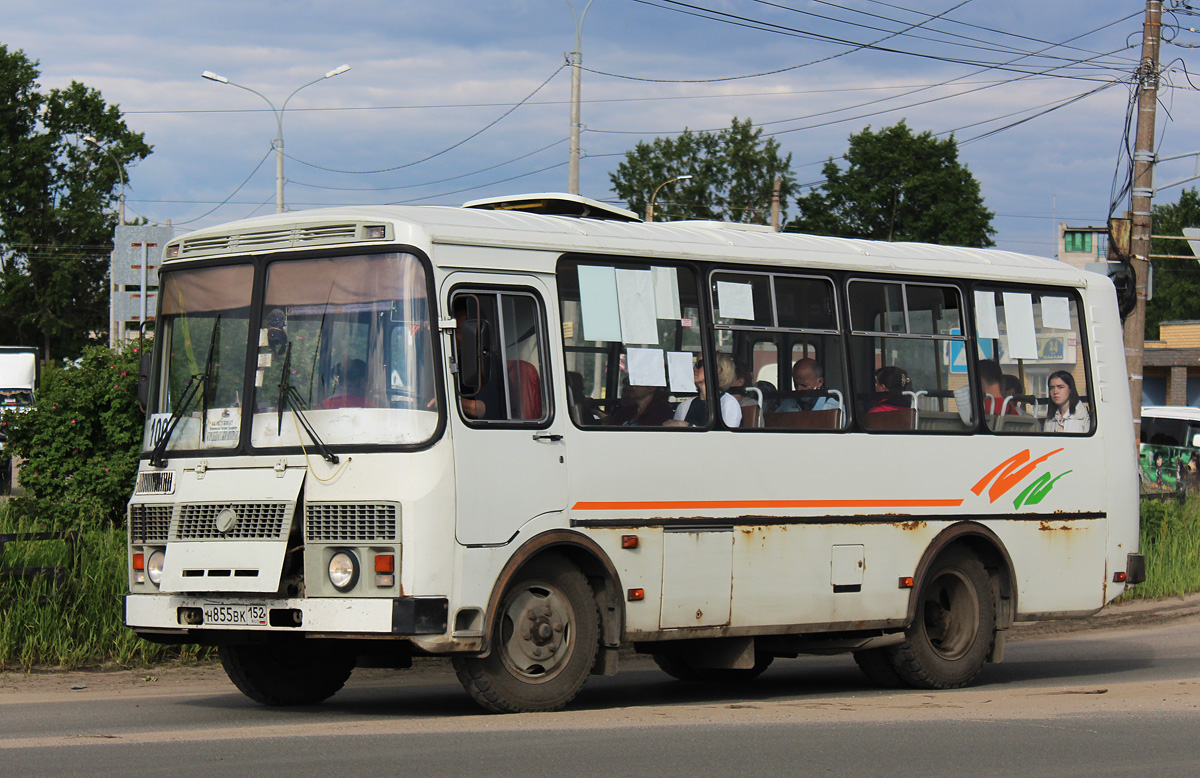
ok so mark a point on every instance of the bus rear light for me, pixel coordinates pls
(385, 570)
(637, 594)
(629, 541)
(1119, 576)
(906, 582)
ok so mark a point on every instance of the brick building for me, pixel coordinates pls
(1171, 365)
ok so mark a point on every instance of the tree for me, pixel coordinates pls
(733, 173)
(898, 186)
(56, 197)
(1176, 281)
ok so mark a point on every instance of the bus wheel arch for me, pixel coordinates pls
(583, 553)
(960, 604)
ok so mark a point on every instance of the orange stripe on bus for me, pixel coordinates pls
(751, 504)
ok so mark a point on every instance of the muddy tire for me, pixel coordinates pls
(876, 665)
(678, 668)
(300, 673)
(952, 633)
(544, 642)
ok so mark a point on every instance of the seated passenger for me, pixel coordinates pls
(892, 380)
(991, 379)
(746, 399)
(695, 414)
(807, 376)
(641, 406)
(1013, 389)
(351, 391)
(1070, 413)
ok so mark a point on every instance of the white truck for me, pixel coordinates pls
(18, 381)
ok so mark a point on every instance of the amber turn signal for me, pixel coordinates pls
(637, 594)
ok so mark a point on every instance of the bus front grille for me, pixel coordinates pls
(344, 522)
(149, 523)
(250, 521)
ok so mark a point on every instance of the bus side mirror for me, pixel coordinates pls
(145, 363)
(474, 357)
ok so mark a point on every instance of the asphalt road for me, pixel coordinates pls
(1111, 702)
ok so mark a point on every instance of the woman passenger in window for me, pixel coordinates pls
(893, 380)
(695, 414)
(1070, 413)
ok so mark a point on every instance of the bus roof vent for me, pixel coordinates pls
(290, 236)
(556, 204)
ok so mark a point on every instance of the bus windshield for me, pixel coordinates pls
(343, 344)
(353, 335)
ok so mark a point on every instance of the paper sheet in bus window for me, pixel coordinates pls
(679, 370)
(598, 303)
(1022, 334)
(635, 295)
(1056, 313)
(985, 315)
(645, 367)
(735, 301)
(666, 293)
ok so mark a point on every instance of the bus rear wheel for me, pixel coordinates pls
(544, 642)
(949, 640)
(299, 673)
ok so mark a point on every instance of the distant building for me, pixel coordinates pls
(1171, 365)
(1077, 246)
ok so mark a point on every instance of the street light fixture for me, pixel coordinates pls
(120, 173)
(650, 205)
(276, 144)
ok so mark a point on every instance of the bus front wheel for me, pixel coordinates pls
(949, 640)
(544, 642)
(299, 673)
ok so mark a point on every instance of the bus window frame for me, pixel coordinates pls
(1083, 348)
(546, 373)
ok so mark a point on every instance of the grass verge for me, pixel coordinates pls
(1170, 539)
(78, 624)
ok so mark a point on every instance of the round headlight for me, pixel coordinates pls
(343, 571)
(154, 567)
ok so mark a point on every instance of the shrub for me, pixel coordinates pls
(80, 440)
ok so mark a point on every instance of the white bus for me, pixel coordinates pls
(525, 433)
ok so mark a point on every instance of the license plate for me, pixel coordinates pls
(236, 615)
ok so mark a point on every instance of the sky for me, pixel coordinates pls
(453, 101)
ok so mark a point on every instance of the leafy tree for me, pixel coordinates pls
(898, 186)
(733, 173)
(56, 196)
(80, 441)
(1176, 281)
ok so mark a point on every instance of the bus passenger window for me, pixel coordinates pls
(499, 350)
(1032, 372)
(783, 331)
(631, 336)
(908, 355)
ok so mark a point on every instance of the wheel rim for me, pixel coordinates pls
(950, 614)
(536, 633)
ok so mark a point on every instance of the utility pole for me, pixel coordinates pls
(1143, 193)
(575, 59)
(775, 203)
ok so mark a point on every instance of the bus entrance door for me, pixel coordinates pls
(509, 450)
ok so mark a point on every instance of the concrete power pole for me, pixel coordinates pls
(1143, 193)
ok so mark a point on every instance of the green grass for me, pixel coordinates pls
(1170, 539)
(80, 623)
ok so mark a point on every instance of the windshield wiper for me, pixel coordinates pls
(289, 394)
(196, 383)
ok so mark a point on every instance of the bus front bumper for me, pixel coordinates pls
(165, 615)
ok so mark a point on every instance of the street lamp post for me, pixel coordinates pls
(576, 63)
(653, 197)
(120, 174)
(277, 144)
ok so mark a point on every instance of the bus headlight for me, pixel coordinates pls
(154, 567)
(343, 571)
